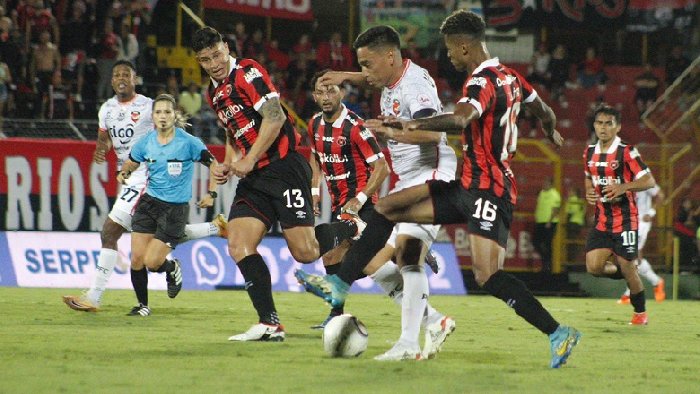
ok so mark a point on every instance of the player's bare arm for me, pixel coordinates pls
(338, 77)
(591, 195)
(451, 123)
(208, 199)
(273, 120)
(549, 120)
(104, 144)
(380, 170)
(126, 170)
(316, 175)
(222, 172)
(385, 132)
(616, 190)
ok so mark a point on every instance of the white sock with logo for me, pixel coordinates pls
(389, 279)
(200, 230)
(415, 300)
(103, 271)
(647, 272)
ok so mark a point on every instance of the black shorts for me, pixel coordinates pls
(279, 192)
(166, 220)
(622, 244)
(485, 214)
(364, 213)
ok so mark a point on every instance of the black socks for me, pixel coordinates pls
(139, 279)
(330, 235)
(638, 301)
(259, 287)
(514, 293)
(373, 239)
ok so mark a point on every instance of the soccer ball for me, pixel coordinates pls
(345, 336)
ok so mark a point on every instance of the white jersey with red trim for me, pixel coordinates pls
(645, 201)
(126, 123)
(415, 164)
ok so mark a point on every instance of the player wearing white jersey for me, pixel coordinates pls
(123, 120)
(408, 92)
(646, 201)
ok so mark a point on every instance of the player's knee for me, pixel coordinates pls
(384, 208)
(305, 254)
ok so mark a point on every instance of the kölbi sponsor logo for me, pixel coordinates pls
(208, 264)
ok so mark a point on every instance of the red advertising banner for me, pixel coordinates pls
(520, 254)
(285, 9)
(53, 185)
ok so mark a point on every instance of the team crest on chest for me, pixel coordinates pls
(396, 107)
(341, 140)
(228, 89)
(614, 164)
(135, 115)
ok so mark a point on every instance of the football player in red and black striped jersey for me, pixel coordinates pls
(486, 117)
(614, 171)
(275, 179)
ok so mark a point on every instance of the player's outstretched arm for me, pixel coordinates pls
(451, 123)
(339, 77)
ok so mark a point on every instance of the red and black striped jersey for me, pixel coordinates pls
(621, 163)
(489, 142)
(344, 149)
(237, 100)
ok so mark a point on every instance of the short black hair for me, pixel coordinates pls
(464, 22)
(205, 37)
(124, 63)
(318, 75)
(377, 36)
(604, 108)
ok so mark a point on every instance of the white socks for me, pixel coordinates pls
(200, 230)
(415, 300)
(103, 271)
(389, 279)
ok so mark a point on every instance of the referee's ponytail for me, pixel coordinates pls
(180, 118)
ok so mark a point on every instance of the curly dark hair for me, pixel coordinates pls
(205, 37)
(606, 109)
(376, 36)
(464, 22)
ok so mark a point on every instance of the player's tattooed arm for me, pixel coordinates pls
(272, 122)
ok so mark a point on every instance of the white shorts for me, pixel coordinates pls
(642, 232)
(127, 197)
(425, 232)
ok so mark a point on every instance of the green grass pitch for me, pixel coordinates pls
(183, 347)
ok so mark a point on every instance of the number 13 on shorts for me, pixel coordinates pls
(295, 198)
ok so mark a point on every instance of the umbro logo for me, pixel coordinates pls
(486, 226)
(301, 214)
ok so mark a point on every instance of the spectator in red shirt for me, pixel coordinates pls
(275, 54)
(334, 54)
(591, 70)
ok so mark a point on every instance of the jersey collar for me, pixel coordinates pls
(406, 64)
(232, 62)
(493, 62)
(338, 122)
(611, 149)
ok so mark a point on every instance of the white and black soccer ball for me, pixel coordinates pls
(345, 336)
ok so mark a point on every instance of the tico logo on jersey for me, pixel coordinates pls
(396, 107)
